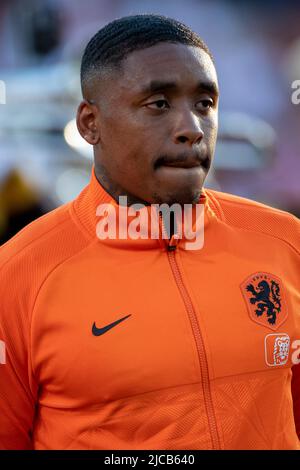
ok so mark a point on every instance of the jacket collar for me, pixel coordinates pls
(99, 214)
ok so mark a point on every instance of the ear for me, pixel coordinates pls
(87, 122)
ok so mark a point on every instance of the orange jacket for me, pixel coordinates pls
(203, 359)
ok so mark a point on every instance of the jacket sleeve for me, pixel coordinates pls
(296, 396)
(17, 389)
(296, 367)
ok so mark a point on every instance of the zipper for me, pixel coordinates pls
(212, 423)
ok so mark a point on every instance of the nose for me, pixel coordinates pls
(188, 129)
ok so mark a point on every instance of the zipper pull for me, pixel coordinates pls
(173, 241)
(172, 245)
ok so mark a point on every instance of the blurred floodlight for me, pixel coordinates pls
(256, 131)
(43, 84)
(245, 142)
(75, 141)
(2, 92)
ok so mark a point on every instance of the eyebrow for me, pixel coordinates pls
(157, 85)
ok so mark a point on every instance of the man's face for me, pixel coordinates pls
(157, 124)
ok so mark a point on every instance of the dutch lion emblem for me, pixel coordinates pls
(263, 293)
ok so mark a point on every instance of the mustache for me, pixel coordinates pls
(181, 158)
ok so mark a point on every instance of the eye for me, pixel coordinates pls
(158, 104)
(205, 104)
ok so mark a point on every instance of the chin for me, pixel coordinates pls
(181, 186)
(185, 196)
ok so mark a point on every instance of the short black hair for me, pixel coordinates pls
(112, 43)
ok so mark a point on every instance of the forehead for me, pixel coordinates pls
(184, 65)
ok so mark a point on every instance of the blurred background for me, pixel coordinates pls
(45, 163)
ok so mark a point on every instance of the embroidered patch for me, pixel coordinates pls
(277, 348)
(264, 297)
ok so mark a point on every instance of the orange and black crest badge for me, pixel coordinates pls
(264, 296)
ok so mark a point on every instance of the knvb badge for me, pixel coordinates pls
(2, 92)
(265, 299)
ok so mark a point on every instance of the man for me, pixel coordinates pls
(127, 342)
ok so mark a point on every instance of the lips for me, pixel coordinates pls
(183, 164)
(186, 161)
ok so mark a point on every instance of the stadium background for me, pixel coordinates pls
(44, 163)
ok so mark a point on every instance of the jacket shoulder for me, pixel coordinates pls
(40, 235)
(252, 215)
(34, 252)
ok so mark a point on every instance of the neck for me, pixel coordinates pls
(113, 189)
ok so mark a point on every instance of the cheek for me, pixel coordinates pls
(125, 155)
(211, 130)
(123, 134)
(129, 144)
